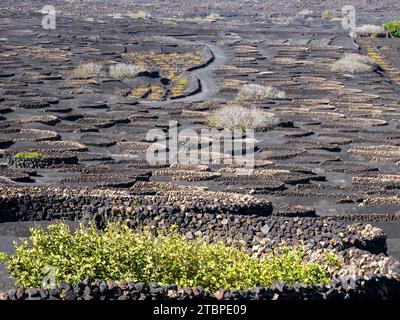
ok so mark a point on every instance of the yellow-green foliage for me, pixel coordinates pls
(393, 28)
(327, 14)
(121, 253)
(156, 92)
(169, 64)
(178, 87)
(332, 260)
(139, 92)
(29, 155)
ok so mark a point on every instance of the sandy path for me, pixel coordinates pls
(209, 85)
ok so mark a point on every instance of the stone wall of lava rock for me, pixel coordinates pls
(376, 288)
(215, 217)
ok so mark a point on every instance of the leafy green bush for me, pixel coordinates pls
(121, 253)
(332, 260)
(393, 28)
(29, 155)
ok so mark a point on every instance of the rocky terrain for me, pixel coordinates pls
(325, 170)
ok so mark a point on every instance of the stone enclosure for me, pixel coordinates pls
(326, 172)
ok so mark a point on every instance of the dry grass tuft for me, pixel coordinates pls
(88, 70)
(367, 30)
(242, 118)
(123, 71)
(353, 63)
(256, 92)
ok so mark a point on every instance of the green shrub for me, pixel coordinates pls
(29, 155)
(331, 260)
(121, 253)
(393, 28)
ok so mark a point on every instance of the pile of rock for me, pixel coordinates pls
(54, 203)
(197, 212)
(375, 288)
(366, 236)
(46, 161)
(214, 216)
(379, 217)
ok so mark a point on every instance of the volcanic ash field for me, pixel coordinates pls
(77, 104)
